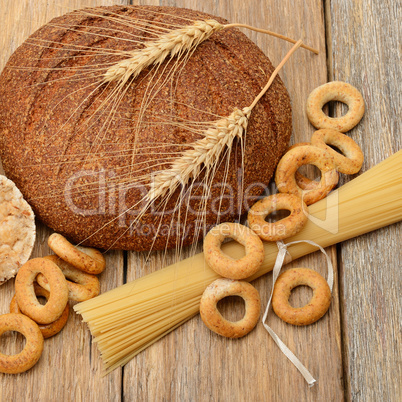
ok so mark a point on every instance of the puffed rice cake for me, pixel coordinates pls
(17, 230)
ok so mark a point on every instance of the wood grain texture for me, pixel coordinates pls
(366, 52)
(192, 363)
(70, 366)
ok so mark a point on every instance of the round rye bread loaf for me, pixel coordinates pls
(83, 151)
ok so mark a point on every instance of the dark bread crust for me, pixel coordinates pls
(44, 130)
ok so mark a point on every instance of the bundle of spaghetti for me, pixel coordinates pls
(128, 319)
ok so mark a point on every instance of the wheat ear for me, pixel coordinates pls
(207, 151)
(204, 152)
(174, 43)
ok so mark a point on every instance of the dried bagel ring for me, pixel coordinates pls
(84, 286)
(25, 294)
(48, 330)
(283, 228)
(314, 309)
(304, 155)
(305, 183)
(214, 320)
(302, 181)
(352, 159)
(29, 356)
(225, 265)
(86, 259)
(97, 256)
(335, 91)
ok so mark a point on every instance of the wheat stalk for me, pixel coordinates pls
(174, 43)
(207, 151)
(204, 152)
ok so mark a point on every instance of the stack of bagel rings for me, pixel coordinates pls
(319, 151)
(47, 277)
(296, 192)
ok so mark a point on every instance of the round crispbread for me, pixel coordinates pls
(17, 230)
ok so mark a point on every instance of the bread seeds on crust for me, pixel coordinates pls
(17, 230)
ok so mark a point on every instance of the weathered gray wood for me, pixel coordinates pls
(194, 364)
(366, 48)
(70, 367)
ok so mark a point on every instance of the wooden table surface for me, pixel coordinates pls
(355, 350)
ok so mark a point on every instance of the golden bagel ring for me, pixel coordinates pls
(97, 256)
(29, 356)
(304, 155)
(86, 259)
(302, 181)
(335, 91)
(227, 266)
(25, 293)
(283, 228)
(48, 330)
(314, 309)
(214, 320)
(84, 286)
(352, 159)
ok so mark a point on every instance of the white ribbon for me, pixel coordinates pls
(283, 249)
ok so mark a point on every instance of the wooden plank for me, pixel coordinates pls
(366, 37)
(192, 363)
(70, 367)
